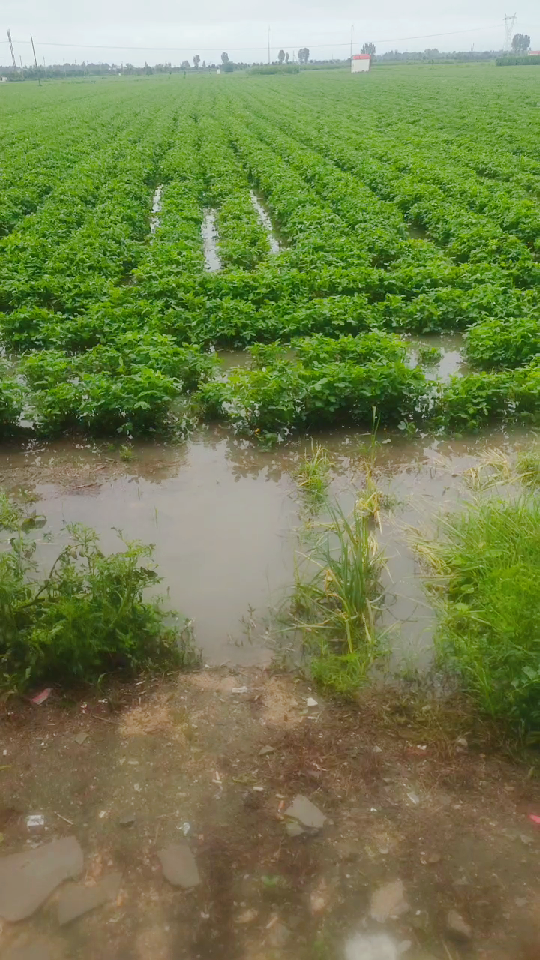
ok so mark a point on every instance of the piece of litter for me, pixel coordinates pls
(186, 827)
(133, 763)
(311, 702)
(42, 697)
(264, 751)
(137, 787)
(102, 813)
(258, 789)
(239, 690)
(35, 820)
(80, 738)
(534, 818)
(377, 749)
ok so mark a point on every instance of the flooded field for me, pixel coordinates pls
(226, 518)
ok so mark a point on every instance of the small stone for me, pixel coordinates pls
(264, 751)
(27, 879)
(77, 899)
(179, 866)
(127, 820)
(306, 813)
(279, 935)
(80, 738)
(248, 916)
(311, 702)
(457, 928)
(388, 901)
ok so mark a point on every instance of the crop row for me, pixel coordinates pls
(116, 319)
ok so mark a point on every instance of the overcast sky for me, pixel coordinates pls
(173, 30)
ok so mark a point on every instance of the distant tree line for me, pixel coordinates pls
(520, 46)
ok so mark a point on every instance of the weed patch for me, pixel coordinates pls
(86, 618)
(485, 573)
(336, 600)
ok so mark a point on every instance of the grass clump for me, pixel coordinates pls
(336, 600)
(486, 566)
(313, 477)
(86, 618)
(528, 466)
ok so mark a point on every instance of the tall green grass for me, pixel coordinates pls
(313, 477)
(486, 566)
(337, 598)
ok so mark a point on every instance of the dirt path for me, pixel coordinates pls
(203, 761)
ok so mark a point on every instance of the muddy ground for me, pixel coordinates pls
(410, 793)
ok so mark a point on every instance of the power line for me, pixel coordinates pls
(90, 46)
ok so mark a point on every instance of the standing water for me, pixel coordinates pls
(156, 208)
(266, 222)
(210, 239)
(225, 517)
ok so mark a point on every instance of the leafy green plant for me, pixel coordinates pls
(86, 618)
(429, 356)
(466, 403)
(11, 402)
(499, 344)
(486, 566)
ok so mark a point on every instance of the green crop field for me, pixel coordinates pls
(405, 202)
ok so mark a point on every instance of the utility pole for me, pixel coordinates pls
(11, 48)
(268, 44)
(352, 36)
(509, 22)
(34, 49)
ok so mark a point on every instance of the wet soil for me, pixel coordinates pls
(411, 792)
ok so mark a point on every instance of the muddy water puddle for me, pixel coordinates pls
(264, 217)
(156, 209)
(225, 518)
(450, 360)
(210, 242)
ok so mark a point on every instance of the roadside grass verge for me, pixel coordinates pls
(485, 571)
(86, 619)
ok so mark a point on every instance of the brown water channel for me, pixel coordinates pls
(225, 517)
